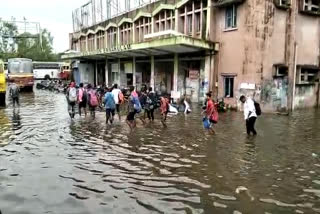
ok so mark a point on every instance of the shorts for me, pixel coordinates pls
(118, 108)
(110, 111)
(213, 121)
(131, 115)
(72, 103)
(83, 104)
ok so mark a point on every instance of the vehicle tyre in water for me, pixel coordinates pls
(2, 99)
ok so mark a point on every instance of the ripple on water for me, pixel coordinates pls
(155, 170)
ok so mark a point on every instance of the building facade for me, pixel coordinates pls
(267, 49)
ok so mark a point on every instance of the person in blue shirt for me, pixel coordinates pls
(110, 106)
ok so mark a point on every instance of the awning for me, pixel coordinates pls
(156, 47)
(224, 3)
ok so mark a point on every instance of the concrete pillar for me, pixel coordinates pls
(96, 73)
(133, 31)
(119, 72)
(134, 81)
(152, 24)
(291, 53)
(207, 70)
(152, 78)
(87, 43)
(176, 20)
(209, 18)
(175, 72)
(95, 42)
(107, 72)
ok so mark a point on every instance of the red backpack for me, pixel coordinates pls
(93, 99)
(121, 98)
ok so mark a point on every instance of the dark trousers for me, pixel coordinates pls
(150, 114)
(250, 125)
(15, 100)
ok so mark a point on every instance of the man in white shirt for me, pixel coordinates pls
(116, 93)
(250, 114)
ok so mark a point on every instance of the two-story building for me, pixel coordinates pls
(266, 49)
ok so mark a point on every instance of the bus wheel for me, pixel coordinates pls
(2, 99)
(47, 77)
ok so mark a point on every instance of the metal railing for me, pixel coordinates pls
(96, 11)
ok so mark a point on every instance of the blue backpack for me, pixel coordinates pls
(136, 104)
(109, 101)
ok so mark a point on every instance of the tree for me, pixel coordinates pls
(37, 47)
(7, 39)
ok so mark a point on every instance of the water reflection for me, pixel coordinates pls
(93, 168)
(16, 119)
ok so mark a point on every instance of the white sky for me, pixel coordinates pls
(55, 15)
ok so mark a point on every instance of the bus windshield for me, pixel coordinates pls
(20, 66)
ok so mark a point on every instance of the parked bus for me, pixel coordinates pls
(46, 70)
(20, 70)
(3, 86)
(65, 71)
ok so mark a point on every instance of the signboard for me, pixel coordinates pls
(128, 68)
(115, 68)
(194, 74)
(248, 86)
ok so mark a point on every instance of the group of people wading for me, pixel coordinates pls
(142, 105)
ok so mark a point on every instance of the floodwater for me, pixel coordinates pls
(50, 164)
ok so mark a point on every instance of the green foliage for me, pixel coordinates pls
(33, 46)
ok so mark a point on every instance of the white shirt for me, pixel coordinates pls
(249, 107)
(116, 93)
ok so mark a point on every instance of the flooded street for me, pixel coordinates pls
(50, 164)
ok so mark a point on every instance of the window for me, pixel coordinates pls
(189, 24)
(231, 16)
(100, 40)
(91, 42)
(164, 21)
(228, 86)
(125, 33)
(281, 71)
(143, 27)
(112, 37)
(308, 75)
(192, 18)
(285, 2)
(311, 5)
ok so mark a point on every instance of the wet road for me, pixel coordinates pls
(50, 164)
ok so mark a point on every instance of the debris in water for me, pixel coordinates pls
(216, 204)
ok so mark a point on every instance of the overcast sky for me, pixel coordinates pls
(55, 15)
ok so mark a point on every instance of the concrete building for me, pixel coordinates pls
(267, 49)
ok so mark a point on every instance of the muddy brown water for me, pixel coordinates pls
(50, 164)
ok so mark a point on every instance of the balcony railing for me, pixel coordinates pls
(96, 11)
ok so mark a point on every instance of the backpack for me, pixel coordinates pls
(93, 99)
(121, 97)
(136, 104)
(72, 95)
(109, 101)
(258, 108)
(149, 103)
(84, 96)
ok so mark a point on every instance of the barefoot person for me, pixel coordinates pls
(134, 107)
(250, 114)
(118, 98)
(164, 109)
(110, 106)
(211, 113)
(82, 99)
(72, 99)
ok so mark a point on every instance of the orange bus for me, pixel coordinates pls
(20, 70)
